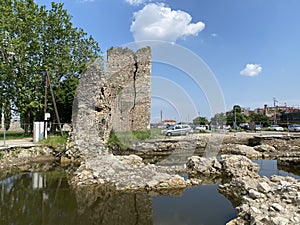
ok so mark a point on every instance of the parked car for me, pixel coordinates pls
(257, 127)
(245, 126)
(200, 127)
(177, 130)
(294, 127)
(275, 128)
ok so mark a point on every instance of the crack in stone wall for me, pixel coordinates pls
(134, 91)
(117, 100)
(130, 73)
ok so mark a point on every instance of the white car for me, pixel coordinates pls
(275, 128)
(177, 130)
(294, 127)
(200, 127)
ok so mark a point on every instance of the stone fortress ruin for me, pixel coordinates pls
(129, 74)
(116, 99)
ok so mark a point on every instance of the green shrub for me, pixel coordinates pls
(114, 142)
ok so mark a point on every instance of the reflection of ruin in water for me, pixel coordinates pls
(46, 198)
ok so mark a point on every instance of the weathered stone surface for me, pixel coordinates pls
(263, 187)
(271, 201)
(126, 173)
(238, 149)
(203, 166)
(21, 156)
(129, 78)
(238, 166)
(264, 148)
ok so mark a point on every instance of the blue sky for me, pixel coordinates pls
(251, 46)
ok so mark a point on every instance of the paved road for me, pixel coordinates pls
(24, 142)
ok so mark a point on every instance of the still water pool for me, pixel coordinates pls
(45, 198)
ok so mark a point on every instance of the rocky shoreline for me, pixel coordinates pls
(240, 180)
(259, 200)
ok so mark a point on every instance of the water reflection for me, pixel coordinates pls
(31, 198)
(270, 167)
(46, 199)
(202, 205)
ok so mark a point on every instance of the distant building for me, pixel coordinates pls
(289, 118)
(282, 115)
(169, 122)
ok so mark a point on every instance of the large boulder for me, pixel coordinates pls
(238, 166)
(203, 166)
(244, 150)
(264, 148)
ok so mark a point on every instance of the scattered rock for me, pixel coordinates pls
(263, 187)
(238, 166)
(270, 202)
(264, 148)
(203, 166)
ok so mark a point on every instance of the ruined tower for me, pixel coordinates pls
(128, 73)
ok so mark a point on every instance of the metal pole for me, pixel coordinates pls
(4, 134)
(235, 126)
(274, 99)
(54, 104)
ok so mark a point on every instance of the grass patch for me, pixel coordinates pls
(141, 135)
(115, 142)
(54, 141)
(121, 140)
(10, 135)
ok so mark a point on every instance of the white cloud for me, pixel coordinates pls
(158, 22)
(251, 70)
(135, 2)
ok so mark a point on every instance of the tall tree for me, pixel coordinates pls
(35, 39)
(219, 119)
(260, 119)
(200, 121)
(238, 118)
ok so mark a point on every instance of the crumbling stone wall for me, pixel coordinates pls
(118, 99)
(129, 74)
(85, 133)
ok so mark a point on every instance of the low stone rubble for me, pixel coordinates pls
(21, 156)
(238, 149)
(127, 173)
(203, 166)
(238, 166)
(260, 200)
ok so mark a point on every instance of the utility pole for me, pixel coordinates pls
(4, 134)
(48, 83)
(45, 104)
(274, 100)
(235, 126)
